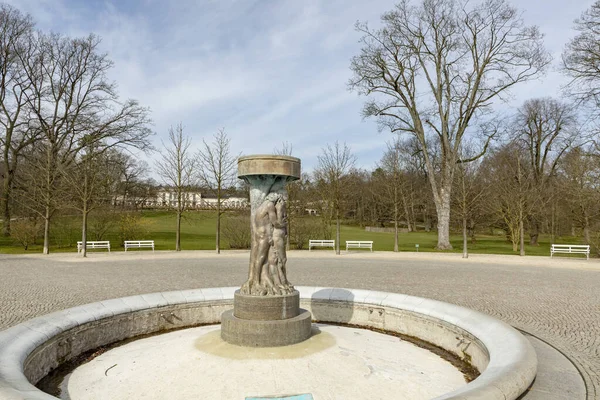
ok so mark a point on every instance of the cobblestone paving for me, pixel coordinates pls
(560, 302)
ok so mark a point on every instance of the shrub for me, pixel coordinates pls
(304, 229)
(235, 228)
(133, 227)
(26, 231)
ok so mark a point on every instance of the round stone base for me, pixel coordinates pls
(266, 308)
(253, 333)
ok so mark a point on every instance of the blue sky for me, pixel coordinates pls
(267, 71)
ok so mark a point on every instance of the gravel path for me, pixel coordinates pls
(556, 299)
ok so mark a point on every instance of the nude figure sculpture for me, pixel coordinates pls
(267, 274)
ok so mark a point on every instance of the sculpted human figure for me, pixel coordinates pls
(264, 222)
(280, 241)
(277, 253)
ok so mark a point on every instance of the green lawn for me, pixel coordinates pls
(198, 233)
(485, 244)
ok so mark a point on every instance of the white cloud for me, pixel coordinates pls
(266, 71)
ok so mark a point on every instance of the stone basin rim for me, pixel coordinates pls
(511, 360)
(253, 157)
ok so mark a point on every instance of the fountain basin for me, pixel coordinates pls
(506, 360)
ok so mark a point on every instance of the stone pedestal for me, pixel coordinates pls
(266, 321)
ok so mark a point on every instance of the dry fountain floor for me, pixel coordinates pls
(556, 300)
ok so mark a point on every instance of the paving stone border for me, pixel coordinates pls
(506, 359)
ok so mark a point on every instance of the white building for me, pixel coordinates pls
(167, 198)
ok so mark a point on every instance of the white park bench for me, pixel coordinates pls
(570, 249)
(138, 244)
(321, 243)
(359, 244)
(104, 244)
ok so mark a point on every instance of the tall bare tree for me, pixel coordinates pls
(71, 98)
(218, 169)
(177, 168)
(545, 128)
(334, 164)
(435, 69)
(15, 39)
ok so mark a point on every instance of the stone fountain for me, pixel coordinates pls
(266, 311)
(169, 345)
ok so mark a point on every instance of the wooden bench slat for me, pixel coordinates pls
(570, 249)
(99, 244)
(359, 244)
(138, 244)
(321, 243)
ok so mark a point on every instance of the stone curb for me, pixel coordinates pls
(506, 359)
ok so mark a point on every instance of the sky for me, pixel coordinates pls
(267, 71)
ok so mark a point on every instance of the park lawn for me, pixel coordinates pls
(485, 244)
(198, 233)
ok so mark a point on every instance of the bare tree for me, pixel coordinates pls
(286, 149)
(15, 38)
(218, 169)
(434, 69)
(90, 180)
(581, 58)
(177, 168)
(71, 98)
(546, 129)
(393, 184)
(511, 193)
(132, 186)
(334, 164)
(579, 188)
(470, 190)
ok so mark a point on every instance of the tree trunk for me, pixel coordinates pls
(406, 213)
(396, 235)
(553, 222)
(586, 229)
(521, 237)
(50, 164)
(8, 183)
(6, 190)
(178, 230)
(396, 220)
(465, 250)
(443, 225)
(47, 231)
(219, 224)
(413, 218)
(535, 232)
(337, 232)
(472, 231)
(84, 232)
